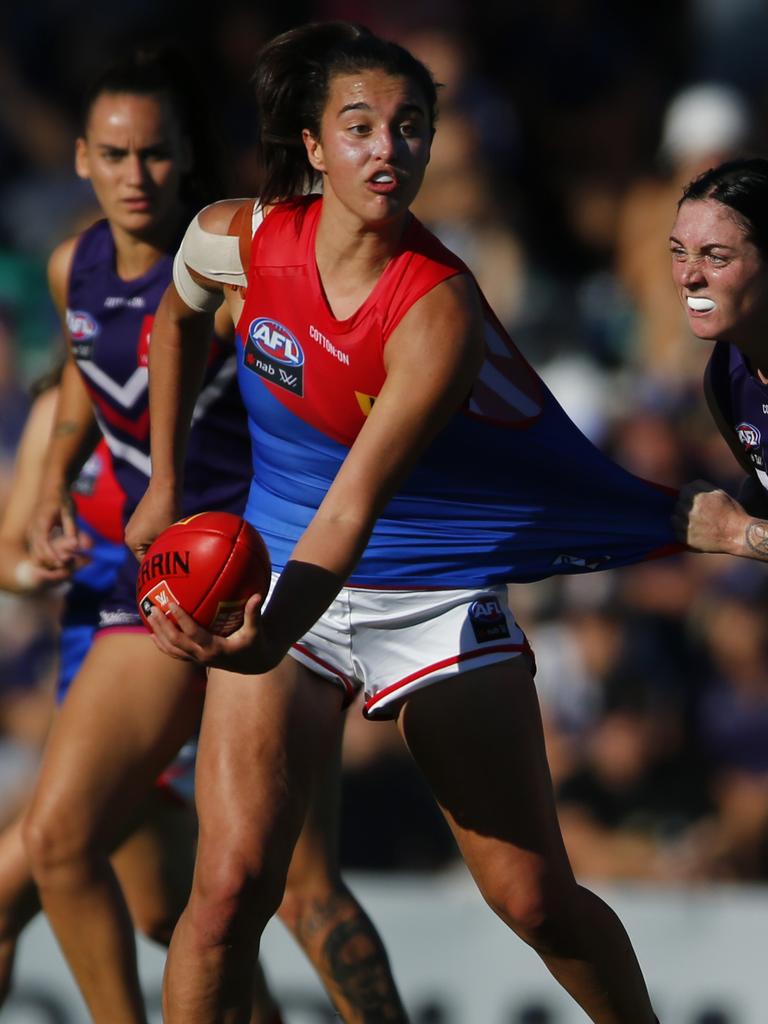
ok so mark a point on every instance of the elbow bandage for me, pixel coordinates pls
(214, 256)
(193, 294)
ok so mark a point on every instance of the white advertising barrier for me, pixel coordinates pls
(703, 950)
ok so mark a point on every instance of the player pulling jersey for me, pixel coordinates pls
(509, 491)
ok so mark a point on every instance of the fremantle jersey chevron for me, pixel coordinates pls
(743, 400)
(510, 489)
(109, 322)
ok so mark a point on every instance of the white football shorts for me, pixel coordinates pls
(390, 643)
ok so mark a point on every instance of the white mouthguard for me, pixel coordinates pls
(700, 305)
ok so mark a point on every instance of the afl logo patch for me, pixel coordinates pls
(274, 353)
(82, 329)
(748, 435)
(488, 619)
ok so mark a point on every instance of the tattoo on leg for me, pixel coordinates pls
(356, 961)
(757, 539)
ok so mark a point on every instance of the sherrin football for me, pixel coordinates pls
(208, 564)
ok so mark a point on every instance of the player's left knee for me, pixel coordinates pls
(540, 913)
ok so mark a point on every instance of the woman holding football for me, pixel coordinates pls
(407, 464)
(130, 708)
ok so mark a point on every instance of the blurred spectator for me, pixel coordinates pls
(466, 92)
(457, 203)
(36, 136)
(389, 819)
(628, 786)
(728, 38)
(14, 402)
(732, 718)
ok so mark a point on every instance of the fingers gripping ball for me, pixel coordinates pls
(209, 565)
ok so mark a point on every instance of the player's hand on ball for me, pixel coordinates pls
(243, 651)
(151, 516)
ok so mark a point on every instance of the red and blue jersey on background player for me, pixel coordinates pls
(510, 490)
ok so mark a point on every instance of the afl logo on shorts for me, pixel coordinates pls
(82, 330)
(273, 352)
(748, 435)
(488, 619)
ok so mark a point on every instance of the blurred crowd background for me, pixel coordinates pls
(567, 130)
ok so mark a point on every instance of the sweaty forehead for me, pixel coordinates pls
(373, 87)
(707, 221)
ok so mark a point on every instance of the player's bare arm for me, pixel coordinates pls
(74, 435)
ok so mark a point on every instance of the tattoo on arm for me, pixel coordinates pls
(756, 536)
(66, 428)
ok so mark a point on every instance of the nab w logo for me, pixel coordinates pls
(276, 341)
(272, 352)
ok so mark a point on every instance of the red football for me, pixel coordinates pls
(209, 565)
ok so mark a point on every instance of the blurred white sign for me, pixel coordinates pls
(703, 952)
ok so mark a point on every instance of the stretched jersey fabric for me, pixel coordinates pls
(743, 401)
(509, 491)
(109, 322)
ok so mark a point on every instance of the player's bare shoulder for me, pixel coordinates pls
(217, 218)
(59, 267)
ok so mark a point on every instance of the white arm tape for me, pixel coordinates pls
(193, 294)
(214, 256)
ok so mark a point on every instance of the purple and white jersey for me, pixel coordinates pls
(743, 401)
(110, 322)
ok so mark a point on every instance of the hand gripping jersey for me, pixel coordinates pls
(509, 491)
(742, 400)
(110, 321)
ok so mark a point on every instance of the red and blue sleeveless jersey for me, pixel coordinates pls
(510, 490)
(110, 322)
(743, 401)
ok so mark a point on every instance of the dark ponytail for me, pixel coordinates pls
(165, 71)
(292, 78)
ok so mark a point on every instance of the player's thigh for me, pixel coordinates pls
(154, 864)
(478, 739)
(126, 714)
(263, 740)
